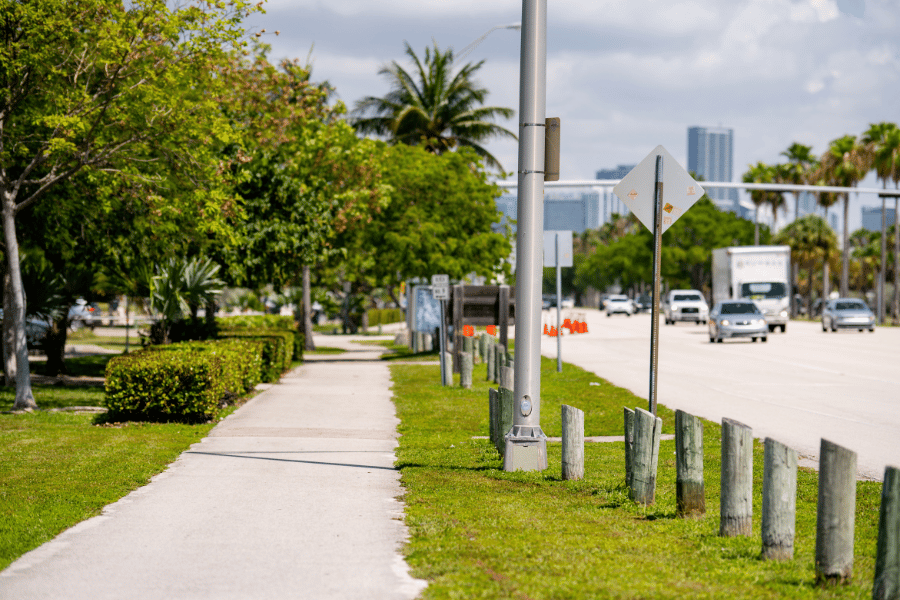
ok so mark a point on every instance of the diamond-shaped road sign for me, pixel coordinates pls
(680, 191)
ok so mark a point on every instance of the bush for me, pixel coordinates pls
(265, 323)
(181, 382)
(276, 354)
(385, 316)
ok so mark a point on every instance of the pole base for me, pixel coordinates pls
(526, 449)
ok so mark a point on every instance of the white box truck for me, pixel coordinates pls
(758, 273)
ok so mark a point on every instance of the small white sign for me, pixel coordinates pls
(440, 287)
(680, 191)
(565, 248)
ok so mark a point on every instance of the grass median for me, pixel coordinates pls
(479, 532)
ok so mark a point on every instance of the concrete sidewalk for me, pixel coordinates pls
(293, 496)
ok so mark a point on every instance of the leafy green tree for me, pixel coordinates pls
(811, 240)
(433, 107)
(122, 91)
(845, 164)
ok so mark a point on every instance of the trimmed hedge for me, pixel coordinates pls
(385, 316)
(276, 354)
(264, 322)
(189, 381)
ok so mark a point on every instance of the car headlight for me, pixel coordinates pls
(759, 321)
(784, 313)
(723, 322)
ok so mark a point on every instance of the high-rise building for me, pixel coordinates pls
(618, 173)
(871, 217)
(563, 211)
(710, 156)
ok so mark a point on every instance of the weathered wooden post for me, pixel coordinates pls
(490, 355)
(505, 417)
(572, 443)
(448, 368)
(887, 557)
(465, 372)
(494, 416)
(645, 455)
(835, 514)
(507, 377)
(779, 501)
(736, 496)
(629, 445)
(482, 346)
(499, 360)
(469, 347)
(690, 491)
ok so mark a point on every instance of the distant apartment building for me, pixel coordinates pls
(572, 211)
(871, 217)
(711, 157)
(618, 173)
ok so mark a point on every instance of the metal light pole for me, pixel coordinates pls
(468, 49)
(526, 444)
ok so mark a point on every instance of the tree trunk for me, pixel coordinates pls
(845, 250)
(55, 346)
(9, 338)
(24, 395)
(307, 311)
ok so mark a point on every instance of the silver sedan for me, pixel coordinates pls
(736, 318)
(847, 313)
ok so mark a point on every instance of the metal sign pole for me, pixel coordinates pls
(443, 343)
(558, 309)
(657, 258)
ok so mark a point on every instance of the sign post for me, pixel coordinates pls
(558, 251)
(440, 290)
(642, 192)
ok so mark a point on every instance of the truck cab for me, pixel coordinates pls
(757, 273)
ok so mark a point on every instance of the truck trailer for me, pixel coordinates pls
(757, 273)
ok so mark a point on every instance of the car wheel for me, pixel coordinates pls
(719, 340)
(871, 330)
(712, 340)
(784, 328)
(764, 338)
(833, 328)
(753, 339)
(771, 328)
(824, 329)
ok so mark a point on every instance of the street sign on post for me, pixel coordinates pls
(558, 251)
(440, 290)
(657, 197)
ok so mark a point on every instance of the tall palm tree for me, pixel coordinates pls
(810, 239)
(845, 164)
(801, 163)
(883, 142)
(433, 106)
(760, 173)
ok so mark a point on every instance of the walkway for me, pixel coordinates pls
(293, 496)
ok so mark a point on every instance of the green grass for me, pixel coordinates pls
(479, 532)
(325, 350)
(60, 468)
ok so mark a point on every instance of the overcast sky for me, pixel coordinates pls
(625, 76)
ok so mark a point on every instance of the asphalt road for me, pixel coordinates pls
(799, 387)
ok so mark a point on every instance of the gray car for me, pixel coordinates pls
(737, 318)
(847, 313)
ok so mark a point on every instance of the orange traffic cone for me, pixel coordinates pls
(546, 332)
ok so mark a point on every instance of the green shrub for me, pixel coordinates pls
(276, 351)
(265, 322)
(385, 316)
(240, 360)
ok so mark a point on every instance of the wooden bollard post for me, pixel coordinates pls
(572, 443)
(629, 445)
(645, 455)
(779, 501)
(887, 557)
(508, 378)
(499, 361)
(505, 417)
(690, 491)
(448, 368)
(469, 346)
(490, 355)
(736, 496)
(494, 416)
(482, 346)
(465, 372)
(835, 514)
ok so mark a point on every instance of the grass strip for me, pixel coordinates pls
(479, 532)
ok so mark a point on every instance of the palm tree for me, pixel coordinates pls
(433, 107)
(826, 200)
(883, 142)
(845, 164)
(810, 239)
(798, 169)
(760, 173)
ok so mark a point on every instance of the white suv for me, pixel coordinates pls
(685, 305)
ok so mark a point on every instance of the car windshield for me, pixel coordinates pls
(619, 299)
(763, 290)
(687, 298)
(850, 305)
(739, 308)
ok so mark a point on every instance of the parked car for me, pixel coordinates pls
(35, 332)
(619, 305)
(84, 314)
(847, 313)
(737, 318)
(643, 303)
(685, 305)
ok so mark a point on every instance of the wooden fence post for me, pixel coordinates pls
(448, 367)
(629, 445)
(645, 455)
(494, 416)
(490, 355)
(482, 346)
(690, 491)
(835, 514)
(572, 443)
(508, 377)
(465, 373)
(505, 417)
(499, 359)
(779, 501)
(736, 496)
(887, 557)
